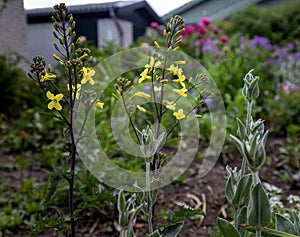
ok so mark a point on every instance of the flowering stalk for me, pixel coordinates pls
(72, 58)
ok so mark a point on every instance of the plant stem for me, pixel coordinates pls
(148, 193)
(235, 218)
(123, 233)
(249, 112)
(255, 178)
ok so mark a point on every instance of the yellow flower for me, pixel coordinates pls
(141, 109)
(55, 100)
(144, 76)
(170, 105)
(181, 79)
(47, 76)
(179, 115)
(175, 70)
(142, 94)
(100, 105)
(87, 75)
(152, 63)
(181, 92)
(198, 115)
(77, 89)
(157, 89)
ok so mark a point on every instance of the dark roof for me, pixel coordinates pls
(126, 10)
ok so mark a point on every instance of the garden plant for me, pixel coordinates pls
(110, 131)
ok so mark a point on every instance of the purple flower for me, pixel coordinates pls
(147, 89)
(296, 56)
(209, 45)
(208, 102)
(290, 46)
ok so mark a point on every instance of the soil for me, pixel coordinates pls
(206, 194)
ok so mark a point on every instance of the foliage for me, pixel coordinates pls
(245, 192)
(280, 23)
(15, 89)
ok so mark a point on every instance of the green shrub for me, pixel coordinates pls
(16, 91)
(279, 23)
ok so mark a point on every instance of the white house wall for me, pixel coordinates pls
(40, 41)
(107, 30)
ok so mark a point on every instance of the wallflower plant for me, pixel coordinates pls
(63, 94)
(166, 79)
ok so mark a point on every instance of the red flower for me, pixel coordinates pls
(22, 135)
(205, 21)
(154, 25)
(224, 39)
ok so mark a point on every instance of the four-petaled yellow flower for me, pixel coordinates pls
(170, 105)
(141, 109)
(175, 70)
(55, 100)
(100, 105)
(181, 79)
(87, 75)
(47, 76)
(77, 89)
(152, 63)
(144, 76)
(179, 115)
(142, 94)
(181, 92)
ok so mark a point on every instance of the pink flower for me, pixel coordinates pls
(189, 29)
(154, 25)
(266, 92)
(201, 27)
(205, 20)
(276, 97)
(216, 31)
(224, 39)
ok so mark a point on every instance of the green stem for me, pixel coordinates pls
(235, 218)
(124, 233)
(148, 193)
(255, 178)
(249, 112)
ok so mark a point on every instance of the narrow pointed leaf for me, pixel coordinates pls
(267, 232)
(155, 234)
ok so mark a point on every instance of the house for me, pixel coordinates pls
(123, 21)
(13, 28)
(193, 11)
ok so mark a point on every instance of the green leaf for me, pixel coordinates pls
(267, 232)
(285, 225)
(296, 222)
(178, 216)
(227, 229)
(121, 202)
(229, 190)
(173, 230)
(154, 234)
(243, 188)
(259, 211)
